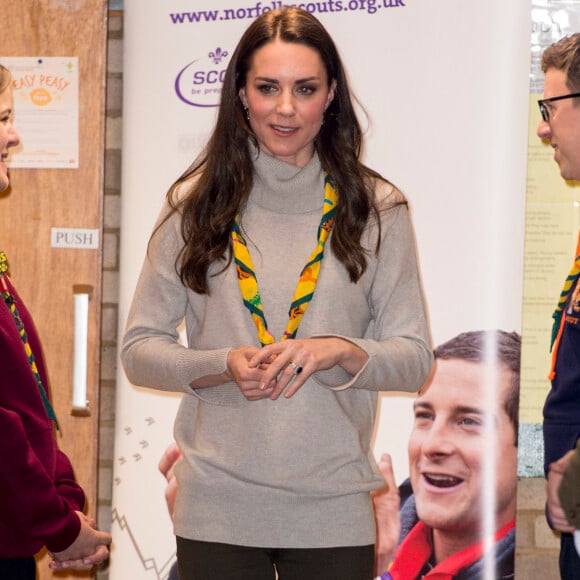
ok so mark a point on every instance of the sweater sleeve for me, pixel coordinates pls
(66, 483)
(30, 500)
(397, 342)
(151, 352)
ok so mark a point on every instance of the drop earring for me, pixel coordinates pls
(247, 113)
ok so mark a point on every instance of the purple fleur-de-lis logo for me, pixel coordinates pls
(218, 55)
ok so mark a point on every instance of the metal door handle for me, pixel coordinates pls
(80, 403)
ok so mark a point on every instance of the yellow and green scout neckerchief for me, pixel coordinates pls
(11, 304)
(306, 283)
(559, 320)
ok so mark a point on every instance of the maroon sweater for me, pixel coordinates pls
(38, 491)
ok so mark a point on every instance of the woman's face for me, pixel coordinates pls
(8, 135)
(286, 93)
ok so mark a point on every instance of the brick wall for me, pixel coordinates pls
(112, 224)
(537, 546)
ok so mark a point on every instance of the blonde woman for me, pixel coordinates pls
(41, 504)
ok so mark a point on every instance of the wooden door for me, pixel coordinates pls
(42, 199)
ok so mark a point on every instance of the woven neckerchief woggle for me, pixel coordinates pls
(11, 304)
(306, 283)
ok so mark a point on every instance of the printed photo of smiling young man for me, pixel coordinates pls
(455, 516)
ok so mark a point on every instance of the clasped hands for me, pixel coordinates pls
(89, 549)
(266, 373)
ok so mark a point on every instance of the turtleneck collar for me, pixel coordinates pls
(286, 188)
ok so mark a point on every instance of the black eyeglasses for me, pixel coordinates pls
(545, 111)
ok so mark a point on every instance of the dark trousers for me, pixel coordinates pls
(209, 561)
(569, 559)
(17, 568)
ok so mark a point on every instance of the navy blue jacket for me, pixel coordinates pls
(562, 407)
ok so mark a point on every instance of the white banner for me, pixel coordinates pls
(445, 87)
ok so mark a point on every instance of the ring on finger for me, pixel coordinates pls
(296, 369)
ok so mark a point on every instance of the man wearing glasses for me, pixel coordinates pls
(560, 126)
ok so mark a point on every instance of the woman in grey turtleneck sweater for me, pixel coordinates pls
(289, 337)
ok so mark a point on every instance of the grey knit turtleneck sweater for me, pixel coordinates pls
(296, 472)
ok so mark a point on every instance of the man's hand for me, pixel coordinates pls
(387, 503)
(555, 512)
(166, 466)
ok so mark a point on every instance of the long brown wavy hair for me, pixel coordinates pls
(219, 181)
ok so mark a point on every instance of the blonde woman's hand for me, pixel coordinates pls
(89, 548)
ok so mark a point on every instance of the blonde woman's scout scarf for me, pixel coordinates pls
(11, 304)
